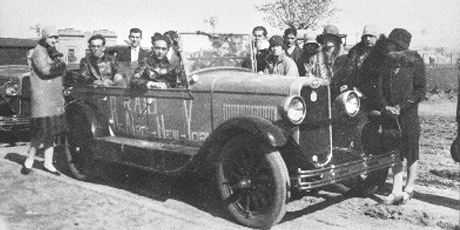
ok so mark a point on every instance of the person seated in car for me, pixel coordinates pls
(98, 69)
(223, 54)
(157, 71)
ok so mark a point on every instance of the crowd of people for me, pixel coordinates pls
(390, 77)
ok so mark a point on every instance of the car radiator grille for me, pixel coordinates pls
(315, 130)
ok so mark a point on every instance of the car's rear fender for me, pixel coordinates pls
(262, 129)
(99, 126)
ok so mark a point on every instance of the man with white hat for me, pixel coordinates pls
(360, 51)
(355, 74)
(307, 60)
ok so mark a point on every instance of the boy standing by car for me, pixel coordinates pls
(278, 62)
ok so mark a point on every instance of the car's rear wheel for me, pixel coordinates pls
(253, 182)
(79, 157)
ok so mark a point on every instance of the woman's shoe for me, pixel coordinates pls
(52, 172)
(393, 199)
(407, 196)
(25, 170)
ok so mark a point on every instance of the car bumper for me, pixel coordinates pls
(310, 179)
(14, 123)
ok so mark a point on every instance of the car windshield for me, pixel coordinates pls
(202, 50)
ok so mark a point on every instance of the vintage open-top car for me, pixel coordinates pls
(262, 136)
(15, 88)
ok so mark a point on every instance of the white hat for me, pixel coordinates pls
(370, 30)
(263, 44)
(310, 37)
(49, 31)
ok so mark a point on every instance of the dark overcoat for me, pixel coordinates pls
(403, 83)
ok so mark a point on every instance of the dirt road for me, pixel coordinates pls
(124, 198)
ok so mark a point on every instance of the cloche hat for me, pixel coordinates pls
(310, 37)
(49, 31)
(400, 37)
(330, 30)
(370, 30)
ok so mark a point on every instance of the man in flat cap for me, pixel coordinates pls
(278, 62)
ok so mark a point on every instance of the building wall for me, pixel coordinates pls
(75, 42)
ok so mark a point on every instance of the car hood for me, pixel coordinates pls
(240, 81)
(13, 71)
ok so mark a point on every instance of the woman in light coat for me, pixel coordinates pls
(47, 101)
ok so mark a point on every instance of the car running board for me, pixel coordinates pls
(151, 145)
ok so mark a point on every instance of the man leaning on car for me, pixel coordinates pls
(157, 71)
(98, 69)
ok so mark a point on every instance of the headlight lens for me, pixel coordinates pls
(295, 109)
(352, 104)
(11, 88)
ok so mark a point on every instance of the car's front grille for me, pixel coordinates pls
(315, 130)
(317, 103)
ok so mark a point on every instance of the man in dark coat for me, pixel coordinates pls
(261, 47)
(402, 87)
(363, 60)
(292, 50)
(99, 69)
(307, 60)
(157, 71)
(134, 52)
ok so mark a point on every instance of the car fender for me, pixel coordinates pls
(263, 129)
(98, 125)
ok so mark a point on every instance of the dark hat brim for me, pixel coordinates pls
(320, 37)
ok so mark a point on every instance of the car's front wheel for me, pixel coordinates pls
(253, 182)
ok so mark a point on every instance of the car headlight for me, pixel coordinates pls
(295, 109)
(350, 102)
(11, 88)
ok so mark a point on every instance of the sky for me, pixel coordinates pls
(434, 23)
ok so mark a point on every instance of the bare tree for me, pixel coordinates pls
(301, 14)
(213, 21)
(37, 28)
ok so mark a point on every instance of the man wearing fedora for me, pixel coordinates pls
(402, 86)
(307, 60)
(278, 62)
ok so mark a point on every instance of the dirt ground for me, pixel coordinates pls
(124, 198)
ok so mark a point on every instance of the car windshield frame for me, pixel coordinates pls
(201, 51)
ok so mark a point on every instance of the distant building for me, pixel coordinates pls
(75, 42)
(15, 51)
